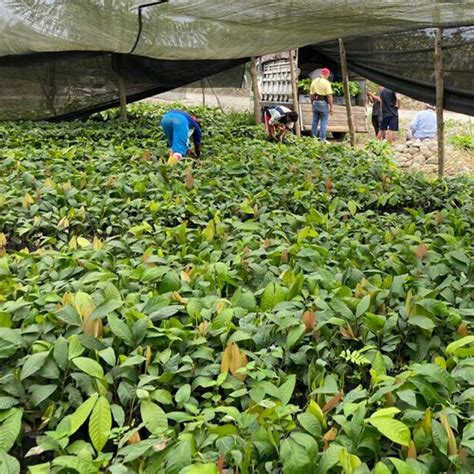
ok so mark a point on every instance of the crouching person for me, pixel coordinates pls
(179, 127)
(278, 120)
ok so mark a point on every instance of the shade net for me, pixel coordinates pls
(404, 62)
(60, 58)
(69, 85)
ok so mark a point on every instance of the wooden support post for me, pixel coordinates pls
(294, 91)
(345, 79)
(117, 60)
(256, 94)
(439, 74)
(123, 99)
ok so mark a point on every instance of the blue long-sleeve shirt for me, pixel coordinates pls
(424, 125)
(194, 128)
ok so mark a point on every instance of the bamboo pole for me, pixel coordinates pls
(123, 99)
(439, 74)
(294, 91)
(255, 92)
(345, 79)
(122, 89)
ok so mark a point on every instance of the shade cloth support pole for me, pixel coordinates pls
(121, 86)
(255, 92)
(345, 79)
(439, 74)
(294, 89)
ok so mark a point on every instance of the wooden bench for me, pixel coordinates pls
(338, 119)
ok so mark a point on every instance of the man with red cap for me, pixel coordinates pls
(321, 98)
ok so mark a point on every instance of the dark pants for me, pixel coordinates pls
(376, 123)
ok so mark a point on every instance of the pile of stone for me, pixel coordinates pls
(417, 155)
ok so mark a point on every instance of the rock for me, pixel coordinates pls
(419, 160)
(432, 160)
(413, 150)
(427, 153)
(400, 148)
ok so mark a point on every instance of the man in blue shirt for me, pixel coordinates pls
(179, 127)
(423, 125)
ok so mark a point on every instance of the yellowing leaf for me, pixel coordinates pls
(189, 180)
(209, 232)
(64, 223)
(316, 411)
(452, 445)
(82, 242)
(97, 244)
(421, 251)
(232, 360)
(147, 357)
(411, 453)
(426, 423)
(328, 437)
(27, 200)
(83, 304)
(73, 243)
(203, 328)
(309, 320)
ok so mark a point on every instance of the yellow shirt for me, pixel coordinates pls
(320, 86)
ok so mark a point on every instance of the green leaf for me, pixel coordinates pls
(89, 366)
(120, 329)
(8, 464)
(349, 462)
(74, 462)
(60, 352)
(285, 391)
(401, 466)
(352, 206)
(108, 355)
(77, 419)
(457, 348)
(10, 428)
(440, 438)
(105, 309)
(329, 458)
(385, 413)
(39, 393)
(295, 335)
(381, 468)
(363, 306)
(198, 468)
(394, 430)
(154, 417)
(8, 402)
(33, 363)
(183, 394)
(422, 322)
(100, 423)
(296, 287)
(294, 457)
(310, 423)
(271, 296)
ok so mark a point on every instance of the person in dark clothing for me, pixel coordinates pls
(390, 104)
(375, 100)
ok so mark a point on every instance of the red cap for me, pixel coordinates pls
(325, 72)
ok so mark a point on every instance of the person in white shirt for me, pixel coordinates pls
(278, 120)
(424, 124)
